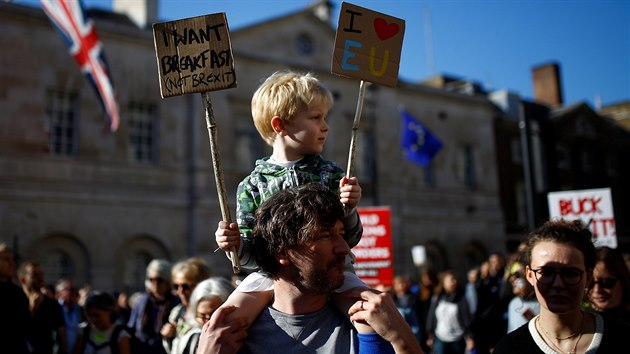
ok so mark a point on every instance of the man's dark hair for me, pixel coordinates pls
(291, 218)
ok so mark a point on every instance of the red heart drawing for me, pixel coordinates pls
(385, 30)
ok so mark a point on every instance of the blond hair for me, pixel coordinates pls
(284, 94)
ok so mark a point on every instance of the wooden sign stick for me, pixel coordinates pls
(355, 128)
(195, 55)
(218, 174)
(367, 47)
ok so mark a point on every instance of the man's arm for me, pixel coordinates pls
(218, 336)
(380, 312)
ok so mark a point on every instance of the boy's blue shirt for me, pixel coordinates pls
(268, 178)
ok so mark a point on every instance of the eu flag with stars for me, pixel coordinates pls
(417, 141)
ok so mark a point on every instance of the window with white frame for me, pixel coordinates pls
(61, 123)
(142, 133)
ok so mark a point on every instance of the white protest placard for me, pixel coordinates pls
(419, 255)
(593, 206)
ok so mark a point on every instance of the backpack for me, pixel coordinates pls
(113, 339)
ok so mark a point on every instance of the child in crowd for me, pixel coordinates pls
(289, 112)
(101, 334)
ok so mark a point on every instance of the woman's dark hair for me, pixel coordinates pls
(102, 301)
(572, 233)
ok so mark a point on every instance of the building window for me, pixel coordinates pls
(135, 271)
(428, 174)
(142, 133)
(583, 127)
(516, 151)
(304, 44)
(587, 159)
(466, 167)
(57, 265)
(61, 123)
(563, 157)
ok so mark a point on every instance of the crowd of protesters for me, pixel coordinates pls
(447, 312)
(166, 318)
(497, 299)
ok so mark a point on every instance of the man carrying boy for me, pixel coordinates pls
(289, 112)
(300, 244)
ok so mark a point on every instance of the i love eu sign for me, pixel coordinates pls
(368, 45)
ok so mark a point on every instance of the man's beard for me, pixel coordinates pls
(322, 279)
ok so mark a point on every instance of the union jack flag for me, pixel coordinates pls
(78, 32)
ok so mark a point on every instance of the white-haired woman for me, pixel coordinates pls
(204, 300)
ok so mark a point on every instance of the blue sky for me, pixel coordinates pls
(493, 42)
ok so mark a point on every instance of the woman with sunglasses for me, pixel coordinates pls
(560, 258)
(609, 294)
(186, 274)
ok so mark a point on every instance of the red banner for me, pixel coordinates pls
(374, 252)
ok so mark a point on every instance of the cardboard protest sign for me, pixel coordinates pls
(368, 45)
(374, 251)
(593, 206)
(194, 55)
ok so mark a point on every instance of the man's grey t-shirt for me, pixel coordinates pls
(325, 331)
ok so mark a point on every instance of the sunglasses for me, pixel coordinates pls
(547, 276)
(184, 287)
(606, 283)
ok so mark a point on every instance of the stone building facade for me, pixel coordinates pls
(97, 207)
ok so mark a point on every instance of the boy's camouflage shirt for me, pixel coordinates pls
(268, 178)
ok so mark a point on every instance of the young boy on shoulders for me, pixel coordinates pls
(289, 112)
